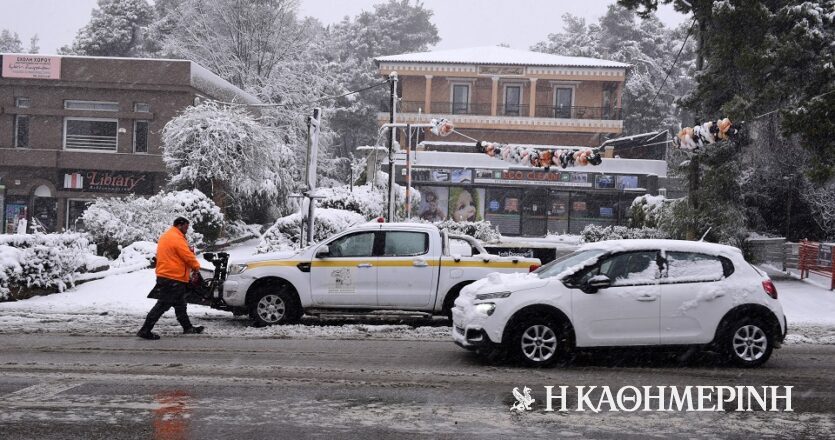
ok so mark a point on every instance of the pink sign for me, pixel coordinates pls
(31, 66)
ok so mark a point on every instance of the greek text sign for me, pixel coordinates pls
(31, 66)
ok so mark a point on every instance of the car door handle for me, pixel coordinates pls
(420, 263)
(364, 265)
(647, 298)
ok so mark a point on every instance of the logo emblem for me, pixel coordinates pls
(523, 401)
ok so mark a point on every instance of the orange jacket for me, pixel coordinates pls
(174, 258)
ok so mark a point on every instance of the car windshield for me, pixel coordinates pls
(559, 265)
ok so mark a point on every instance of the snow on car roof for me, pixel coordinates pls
(670, 245)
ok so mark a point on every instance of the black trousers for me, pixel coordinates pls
(172, 294)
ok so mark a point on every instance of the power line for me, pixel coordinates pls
(315, 101)
(681, 49)
(777, 110)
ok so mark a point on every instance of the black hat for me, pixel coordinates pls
(179, 221)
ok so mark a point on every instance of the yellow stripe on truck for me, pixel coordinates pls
(394, 263)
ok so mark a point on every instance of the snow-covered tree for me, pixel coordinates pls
(393, 27)
(242, 41)
(10, 43)
(649, 47)
(116, 29)
(226, 153)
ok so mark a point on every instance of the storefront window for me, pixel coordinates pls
(502, 209)
(535, 212)
(434, 201)
(466, 204)
(75, 208)
(14, 211)
(558, 206)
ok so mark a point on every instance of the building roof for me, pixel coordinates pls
(139, 71)
(498, 55)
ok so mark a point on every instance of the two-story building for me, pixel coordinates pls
(530, 99)
(76, 128)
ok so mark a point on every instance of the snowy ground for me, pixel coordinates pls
(118, 304)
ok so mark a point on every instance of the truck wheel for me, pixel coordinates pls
(539, 341)
(748, 342)
(275, 306)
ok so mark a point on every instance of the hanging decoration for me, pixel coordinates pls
(543, 158)
(535, 157)
(694, 138)
(441, 127)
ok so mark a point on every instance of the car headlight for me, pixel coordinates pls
(494, 295)
(235, 269)
(485, 308)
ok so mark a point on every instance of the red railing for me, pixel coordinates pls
(813, 260)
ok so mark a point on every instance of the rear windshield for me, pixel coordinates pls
(559, 265)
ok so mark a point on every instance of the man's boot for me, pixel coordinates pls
(194, 330)
(147, 334)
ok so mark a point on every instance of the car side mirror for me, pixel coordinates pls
(596, 283)
(323, 252)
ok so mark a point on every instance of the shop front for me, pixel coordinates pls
(54, 201)
(529, 202)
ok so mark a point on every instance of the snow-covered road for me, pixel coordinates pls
(118, 304)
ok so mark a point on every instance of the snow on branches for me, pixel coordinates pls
(227, 154)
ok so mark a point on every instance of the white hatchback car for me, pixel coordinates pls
(626, 293)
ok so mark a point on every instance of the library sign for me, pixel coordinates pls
(31, 66)
(120, 182)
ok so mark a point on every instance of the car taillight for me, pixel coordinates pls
(769, 288)
(534, 267)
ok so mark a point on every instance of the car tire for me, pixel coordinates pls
(748, 342)
(540, 341)
(275, 306)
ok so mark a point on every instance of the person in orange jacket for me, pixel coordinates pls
(175, 263)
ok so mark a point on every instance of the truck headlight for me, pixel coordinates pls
(236, 269)
(494, 295)
(485, 308)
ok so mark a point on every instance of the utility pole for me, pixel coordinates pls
(310, 169)
(408, 171)
(392, 115)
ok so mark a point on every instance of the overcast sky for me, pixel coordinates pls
(461, 23)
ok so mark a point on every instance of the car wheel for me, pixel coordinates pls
(272, 307)
(539, 342)
(748, 342)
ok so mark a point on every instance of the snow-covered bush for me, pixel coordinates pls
(229, 154)
(481, 230)
(366, 200)
(140, 254)
(37, 262)
(284, 233)
(647, 211)
(594, 233)
(114, 222)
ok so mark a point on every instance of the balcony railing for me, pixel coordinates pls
(505, 109)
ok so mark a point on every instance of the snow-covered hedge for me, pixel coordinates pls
(284, 233)
(593, 233)
(481, 230)
(37, 262)
(647, 211)
(365, 200)
(139, 255)
(114, 222)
